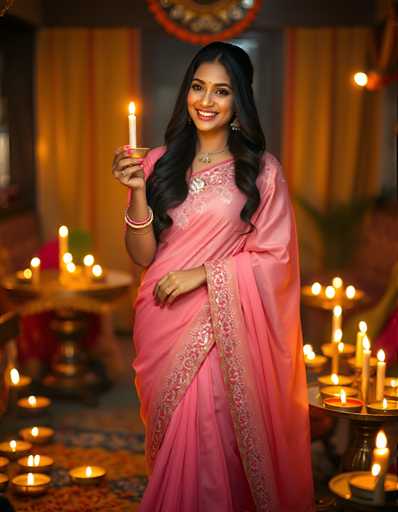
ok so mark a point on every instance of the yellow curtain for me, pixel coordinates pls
(331, 127)
(85, 80)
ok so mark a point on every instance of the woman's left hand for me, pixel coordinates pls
(177, 283)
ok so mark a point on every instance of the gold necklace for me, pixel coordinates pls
(205, 156)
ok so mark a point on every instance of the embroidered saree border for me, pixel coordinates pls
(198, 341)
(225, 311)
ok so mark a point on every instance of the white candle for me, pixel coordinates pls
(337, 337)
(35, 267)
(381, 453)
(63, 234)
(132, 125)
(360, 335)
(336, 320)
(365, 368)
(381, 374)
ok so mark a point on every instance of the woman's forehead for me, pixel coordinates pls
(213, 72)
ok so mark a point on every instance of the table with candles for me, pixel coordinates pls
(71, 291)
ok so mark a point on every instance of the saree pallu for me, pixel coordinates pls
(220, 372)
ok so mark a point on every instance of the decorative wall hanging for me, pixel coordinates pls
(204, 21)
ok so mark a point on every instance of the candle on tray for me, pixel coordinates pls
(132, 125)
(381, 374)
(18, 381)
(36, 463)
(35, 269)
(87, 475)
(362, 328)
(350, 292)
(381, 453)
(383, 407)
(336, 390)
(37, 435)
(14, 449)
(365, 368)
(3, 482)
(63, 234)
(316, 288)
(31, 484)
(342, 403)
(88, 262)
(97, 273)
(330, 292)
(34, 403)
(337, 283)
(335, 380)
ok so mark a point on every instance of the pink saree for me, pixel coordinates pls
(220, 372)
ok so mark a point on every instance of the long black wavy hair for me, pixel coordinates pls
(167, 186)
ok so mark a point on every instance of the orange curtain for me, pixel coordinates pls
(331, 128)
(85, 80)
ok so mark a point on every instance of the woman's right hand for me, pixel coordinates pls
(128, 171)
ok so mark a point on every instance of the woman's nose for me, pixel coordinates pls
(207, 99)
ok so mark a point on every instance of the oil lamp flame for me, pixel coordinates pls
(376, 468)
(13, 445)
(35, 431)
(381, 440)
(337, 282)
(335, 379)
(330, 292)
(14, 376)
(31, 479)
(32, 400)
(340, 347)
(89, 471)
(343, 397)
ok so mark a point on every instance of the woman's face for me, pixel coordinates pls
(210, 98)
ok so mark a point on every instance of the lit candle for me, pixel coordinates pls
(24, 276)
(334, 380)
(381, 374)
(36, 463)
(330, 292)
(14, 448)
(35, 269)
(71, 267)
(337, 283)
(342, 403)
(316, 288)
(18, 381)
(97, 273)
(88, 262)
(31, 484)
(336, 320)
(350, 292)
(87, 475)
(63, 234)
(360, 335)
(383, 407)
(132, 125)
(365, 368)
(37, 435)
(34, 403)
(381, 453)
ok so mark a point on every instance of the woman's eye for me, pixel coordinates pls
(223, 92)
(196, 87)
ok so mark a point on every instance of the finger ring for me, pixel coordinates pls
(123, 173)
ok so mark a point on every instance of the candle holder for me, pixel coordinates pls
(37, 435)
(31, 484)
(329, 348)
(14, 449)
(327, 380)
(3, 482)
(87, 475)
(139, 152)
(316, 363)
(350, 405)
(36, 464)
(34, 404)
(383, 407)
(363, 486)
(329, 391)
(4, 462)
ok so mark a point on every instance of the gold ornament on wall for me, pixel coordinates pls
(204, 21)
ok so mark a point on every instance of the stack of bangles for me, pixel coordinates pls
(138, 225)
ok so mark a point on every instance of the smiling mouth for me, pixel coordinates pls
(206, 116)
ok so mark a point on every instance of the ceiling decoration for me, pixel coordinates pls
(204, 21)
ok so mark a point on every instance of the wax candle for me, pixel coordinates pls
(336, 391)
(381, 453)
(87, 475)
(384, 406)
(36, 463)
(15, 448)
(37, 435)
(362, 328)
(31, 484)
(132, 125)
(34, 403)
(381, 374)
(63, 234)
(336, 320)
(365, 368)
(316, 288)
(18, 381)
(35, 268)
(342, 403)
(335, 380)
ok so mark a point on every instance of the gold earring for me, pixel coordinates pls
(235, 125)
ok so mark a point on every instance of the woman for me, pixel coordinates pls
(219, 367)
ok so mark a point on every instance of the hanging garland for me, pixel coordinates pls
(204, 21)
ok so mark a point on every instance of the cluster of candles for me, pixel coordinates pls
(334, 291)
(34, 468)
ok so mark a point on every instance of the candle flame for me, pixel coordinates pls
(340, 347)
(366, 343)
(14, 376)
(360, 78)
(337, 335)
(27, 274)
(350, 292)
(363, 327)
(70, 267)
(343, 396)
(89, 471)
(32, 400)
(337, 282)
(394, 383)
(316, 288)
(381, 440)
(67, 258)
(337, 311)
(335, 379)
(31, 479)
(88, 260)
(376, 468)
(97, 270)
(330, 292)
(385, 404)
(13, 445)
(131, 108)
(35, 431)
(307, 349)
(381, 356)
(35, 262)
(311, 356)
(36, 460)
(63, 231)
(30, 460)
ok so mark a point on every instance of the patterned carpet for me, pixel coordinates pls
(121, 453)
